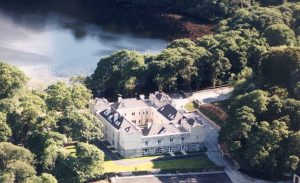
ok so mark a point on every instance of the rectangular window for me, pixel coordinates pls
(146, 143)
(139, 121)
(134, 121)
(170, 149)
(182, 139)
(133, 114)
(159, 141)
(146, 112)
(171, 140)
(158, 150)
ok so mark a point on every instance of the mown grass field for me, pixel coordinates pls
(186, 163)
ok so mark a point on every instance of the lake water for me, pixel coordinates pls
(50, 46)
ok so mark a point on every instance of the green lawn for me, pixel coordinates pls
(191, 106)
(186, 163)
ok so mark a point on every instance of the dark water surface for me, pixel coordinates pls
(49, 43)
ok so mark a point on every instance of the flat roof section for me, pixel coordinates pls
(129, 103)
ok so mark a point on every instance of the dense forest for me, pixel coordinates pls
(262, 132)
(35, 127)
(255, 47)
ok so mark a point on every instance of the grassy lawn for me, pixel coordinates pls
(191, 106)
(186, 163)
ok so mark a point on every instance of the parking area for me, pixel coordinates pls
(220, 177)
(213, 95)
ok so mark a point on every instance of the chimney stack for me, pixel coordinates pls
(120, 99)
(149, 124)
(142, 97)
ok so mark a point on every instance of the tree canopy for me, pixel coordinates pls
(263, 127)
(11, 80)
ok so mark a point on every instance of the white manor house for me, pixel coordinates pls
(139, 127)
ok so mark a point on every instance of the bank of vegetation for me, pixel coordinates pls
(35, 126)
(238, 43)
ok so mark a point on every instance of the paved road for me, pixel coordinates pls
(205, 96)
(212, 95)
(176, 178)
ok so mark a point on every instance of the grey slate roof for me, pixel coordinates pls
(159, 96)
(113, 117)
(191, 121)
(168, 111)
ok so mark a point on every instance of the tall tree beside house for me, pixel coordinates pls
(114, 72)
(79, 168)
(80, 126)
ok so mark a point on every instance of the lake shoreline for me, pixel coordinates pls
(187, 27)
(32, 31)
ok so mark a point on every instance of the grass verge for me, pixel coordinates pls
(191, 106)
